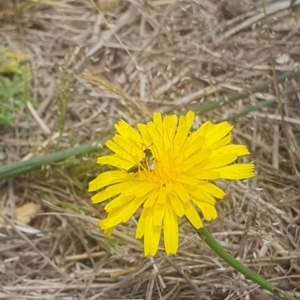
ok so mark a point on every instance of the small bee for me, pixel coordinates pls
(148, 163)
(149, 159)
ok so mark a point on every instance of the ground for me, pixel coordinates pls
(71, 69)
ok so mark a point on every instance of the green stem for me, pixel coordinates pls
(222, 253)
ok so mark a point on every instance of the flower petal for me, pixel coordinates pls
(176, 204)
(181, 192)
(223, 142)
(199, 195)
(187, 179)
(119, 150)
(157, 119)
(151, 236)
(140, 228)
(128, 132)
(159, 209)
(192, 215)
(219, 161)
(107, 193)
(237, 171)
(105, 179)
(151, 198)
(184, 125)
(217, 132)
(123, 214)
(170, 126)
(108, 231)
(162, 196)
(115, 161)
(170, 231)
(211, 189)
(239, 150)
(118, 202)
(207, 175)
(209, 211)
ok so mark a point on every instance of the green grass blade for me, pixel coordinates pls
(250, 109)
(201, 108)
(17, 168)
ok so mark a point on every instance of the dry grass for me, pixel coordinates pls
(94, 63)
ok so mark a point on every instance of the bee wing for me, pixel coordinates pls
(133, 169)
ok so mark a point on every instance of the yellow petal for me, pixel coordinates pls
(190, 116)
(112, 220)
(169, 123)
(140, 229)
(118, 202)
(187, 179)
(142, 188)
(115, 161)
(211, 189)
(118, 150)
(209, 211)
(134, 135)
(157, 119)
(192, 215)
(162, 196)
(200, 195)
(216, 133)
(222, 142)
(105, 179)
(170, 231)
(207, 175)
(239, 150)
(152, 132)
(176, 204)
(122, 127)
(132, 208)
(151, 237)
(194, 146)
(107, 193)
(237, 171)
(218, 161)
(151, 198)
(159, 212)
(181, 192)
(128, 132)
(108, 231)
(121, 215)
(184, 125)
(196, 159)
(146, 137)
(204, 128)
(169, 186)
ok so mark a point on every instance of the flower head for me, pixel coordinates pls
(166, 169)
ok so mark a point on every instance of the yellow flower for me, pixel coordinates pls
(165, 169)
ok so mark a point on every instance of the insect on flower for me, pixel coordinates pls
(149, 159)
(148, 163)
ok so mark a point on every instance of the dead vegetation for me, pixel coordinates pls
(94, 62)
